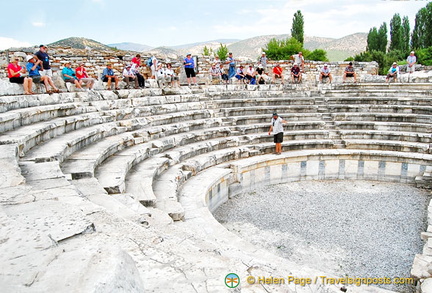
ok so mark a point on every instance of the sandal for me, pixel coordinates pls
(49, 92)
(117, 88)
(56, 91)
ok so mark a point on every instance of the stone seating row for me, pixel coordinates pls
(154, 182)
(254, 110)
(30, 135)
(383, 126)
(25, 116)
(145, 193)
(67, 141)
(99, 151)
(330, 101)
(382, 117)
(404, 100)
(83, 162)
(427, 110)
(32, 114)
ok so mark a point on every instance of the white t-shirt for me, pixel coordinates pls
(298, 59)
(277, 125)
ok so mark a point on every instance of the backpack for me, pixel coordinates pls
(149, 62)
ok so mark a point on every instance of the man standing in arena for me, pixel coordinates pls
(276, 128)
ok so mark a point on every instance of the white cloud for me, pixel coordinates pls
(6, 43)
(38, 24)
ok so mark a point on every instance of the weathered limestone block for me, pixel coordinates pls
(10, 173)
(422, 266)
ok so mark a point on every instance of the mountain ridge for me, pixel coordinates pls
(251, 48)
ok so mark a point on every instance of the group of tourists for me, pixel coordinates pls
(38, 70)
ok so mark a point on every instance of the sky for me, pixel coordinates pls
(176, 22)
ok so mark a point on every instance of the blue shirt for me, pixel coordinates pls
(191, 61)
(108, 72)
(31, 72)
(68, 71)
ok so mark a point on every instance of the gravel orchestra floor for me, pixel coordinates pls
(349, 228)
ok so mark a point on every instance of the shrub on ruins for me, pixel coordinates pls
(207, 51)
(222, 52)
(282, 49)
(316, 55)
(424, 56)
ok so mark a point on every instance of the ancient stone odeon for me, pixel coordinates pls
(113, 191)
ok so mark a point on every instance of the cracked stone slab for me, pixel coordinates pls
(59, 218)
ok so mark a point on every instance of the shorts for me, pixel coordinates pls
(105, 79)
(36, 78)
(411, 69)
(350, 75)
(278, 138)
(278, 76)
(190, 72)
(46, 72)
(19, 79)
(70, 80)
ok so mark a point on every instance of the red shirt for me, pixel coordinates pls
(15, 68)
(277, 70)
(80, 72)
(136, 61)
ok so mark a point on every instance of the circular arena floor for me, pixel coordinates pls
(347, 228)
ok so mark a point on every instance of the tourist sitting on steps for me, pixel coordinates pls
(276, 127)
(215, 74)
(83, 77)
(240, 74)
(129, 76)
(163, 75)
(250, 75)
(171, 73)
(325, 73)
(33, 67)
(68, 75)
(393, 72)
(14, 74)
(349, 72)
(277, 73)
(260, 76)
(108, 76)
(296, 75)
(224, 74)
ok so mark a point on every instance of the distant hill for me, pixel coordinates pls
(130, 47)
(337, 49)
(80, 43)
(163, 52)
(202, 44)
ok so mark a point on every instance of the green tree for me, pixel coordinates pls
(372, 39)
(222, 52)
(396, 33)
(382, 38)
(405, 34)
(297, 30)
(422, 33)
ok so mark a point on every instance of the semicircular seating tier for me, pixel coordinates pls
(128, 179)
